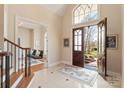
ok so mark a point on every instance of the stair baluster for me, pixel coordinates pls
(22, 64)
(18, 60)
(11, 66)
(5, 55)
(1, 71)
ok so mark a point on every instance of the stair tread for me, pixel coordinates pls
(25, 81)
(3, 72)
(14, 77)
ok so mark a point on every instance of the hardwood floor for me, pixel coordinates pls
(14, 77)
(37, 67)
(25, 81)
(3, 71)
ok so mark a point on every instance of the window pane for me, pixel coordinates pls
(75, 33)
(79, 21)
(81, 18)
(79, 48)
(75, 48)
(79, 40)
(76, 13)
(81, 11)
(85, 12)
(103, 28)
(93, 15)
(80, 32)
(75, 40)
(87, 16)
(76, 19)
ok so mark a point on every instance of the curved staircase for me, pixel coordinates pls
(15, 66)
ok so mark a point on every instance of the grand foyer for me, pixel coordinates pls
(59, 27)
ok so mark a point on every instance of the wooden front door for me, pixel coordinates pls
(102, 52)
(78, 55)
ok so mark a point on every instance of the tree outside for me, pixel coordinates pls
(90, 41)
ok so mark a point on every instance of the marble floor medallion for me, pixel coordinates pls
(85, 75)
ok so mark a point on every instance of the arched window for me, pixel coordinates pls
(84, 13)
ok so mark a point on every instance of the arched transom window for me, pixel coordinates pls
(84, 13)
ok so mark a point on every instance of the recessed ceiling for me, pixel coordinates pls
(56, 8)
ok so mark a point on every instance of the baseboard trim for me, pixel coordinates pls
(118, 75)
(54, 64)
(66, 62)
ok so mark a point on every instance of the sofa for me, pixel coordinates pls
(36, 54)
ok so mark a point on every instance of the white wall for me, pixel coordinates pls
(114, 26)
(55, 36)
(1, 25)
(42, 33)
(26, 37)
(41, 15)
(122, 45)
(39, 38)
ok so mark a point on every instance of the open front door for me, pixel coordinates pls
(78, 55)
(102, 33)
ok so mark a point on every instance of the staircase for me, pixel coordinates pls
(15, 66)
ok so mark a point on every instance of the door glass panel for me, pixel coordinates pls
(103, 28)
(101, 43)
(75, 40)
(79, 48)
(79, 32)
(102, 48)
(99, 48)
(75, 48)
(79, 40)
(103, 40)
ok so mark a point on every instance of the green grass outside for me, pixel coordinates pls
(92, 53)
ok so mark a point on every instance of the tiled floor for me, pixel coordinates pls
(114, 81)
(52, 78)
(91, 65)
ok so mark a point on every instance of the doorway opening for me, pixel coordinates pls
(89, 47)
(32, 34)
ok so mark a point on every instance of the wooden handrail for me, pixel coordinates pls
(5, 53)
(13, 54)
(5, 39)
(26, 57)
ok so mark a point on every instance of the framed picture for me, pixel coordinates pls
(66, 42)
(112, 41)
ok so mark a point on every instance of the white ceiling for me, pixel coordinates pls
(56, 8)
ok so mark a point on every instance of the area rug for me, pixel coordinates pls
(85, 75)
